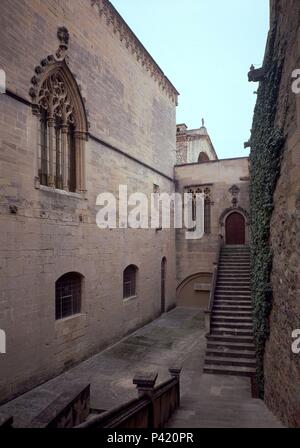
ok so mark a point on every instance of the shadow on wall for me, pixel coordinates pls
(194, 291)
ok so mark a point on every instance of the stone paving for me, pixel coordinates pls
(176, 338)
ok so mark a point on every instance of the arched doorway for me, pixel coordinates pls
(194, 291)
(163, 284)
(235, 229)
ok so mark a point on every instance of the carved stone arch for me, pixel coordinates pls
(230, 210)
(194, 290)
(226, 213)
(58, 103)
(61, 71)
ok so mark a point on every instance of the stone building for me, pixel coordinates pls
(275, 149)
(194, 145)
(225, 184)
(86, 109)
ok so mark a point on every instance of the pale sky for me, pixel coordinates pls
(205, 48)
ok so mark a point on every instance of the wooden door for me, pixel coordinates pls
(235, 229)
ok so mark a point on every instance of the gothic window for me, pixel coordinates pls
(129, 281)
(58, 104)
(61, 145)
(68, 295)
(207, 206)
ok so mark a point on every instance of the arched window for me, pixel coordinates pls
(63, 127)
(129, 281)
(207, 206)
(203, 157)
(68, 289)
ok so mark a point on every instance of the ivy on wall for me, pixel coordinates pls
(265, 159)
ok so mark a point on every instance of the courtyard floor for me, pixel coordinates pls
(176, 338)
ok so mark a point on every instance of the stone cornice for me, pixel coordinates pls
(134, 46)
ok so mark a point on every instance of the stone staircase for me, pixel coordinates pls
(230, 345)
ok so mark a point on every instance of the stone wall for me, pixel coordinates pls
(281, 366)
(197, 256)
(131, 108)
(190, 143)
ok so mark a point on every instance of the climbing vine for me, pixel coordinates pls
(265, 159)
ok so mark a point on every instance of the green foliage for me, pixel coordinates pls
(265, 159)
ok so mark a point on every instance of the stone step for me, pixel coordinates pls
(237, 263)
(236, 268)
(226, 361)
(235, 303)
(231, 306)
(234, 288)
(225, 264)
(232, 292)
(228, 260)
(226, 270)
(230, 370)
(235, 247)
(231, 319)
(233, 281)
(233, 331)
(233, 300)
(229, 345)
(231, 326)
(233, 311)
(237, 259)
(231, 338)
(234, 319)
(232, 277)
(230, 353)
(230, 316)
(231, 254)
(233, 296)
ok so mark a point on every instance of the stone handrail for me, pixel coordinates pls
(213, 286)
(152, 409)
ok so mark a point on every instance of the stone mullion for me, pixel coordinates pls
(78, 162)
(64, 141)
(43, 163)
(51, 151)
(58, 158)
